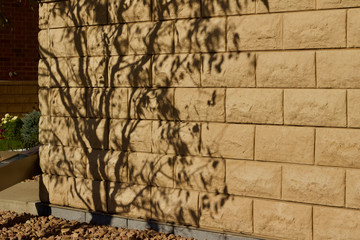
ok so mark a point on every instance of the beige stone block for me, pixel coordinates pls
(89, 133)
(352, 189)
(81, 194)
(45, 130)
(59, 14)
(228, 70)
(175, 206)
(44, 73)
(337, 147)
(353, 101)
(203, 174)
(66, 102)
(254, 32)
(68, 42)
(315, 107)
(179, 70)
(221, 8)
(285, 69)
(253, 178)
(336, 223)
(44, 188)
(98, 102)
(132, 135)
(205, 104)
(129, 200)
(282, 220)
(353, 27)
(152, 103)
(130, 71)
(151, 169)
(58, 190)
(325, 29)
(200, 35)
(119, 102)
(43, 16)
(98, 71)
(150, 37)
(226, 212)
(60, 131)
(43, 40)
(69, 72)
(173, 9)
(227, 140)
(254, 105)
(107, 165)
(84, 12)
(107, 40)
(44, 101)
(337, 3)
(179, 138)
(285, 144)
(44, 153)
(129, 11)
(338, 69)
(283, 5)
(311, 184)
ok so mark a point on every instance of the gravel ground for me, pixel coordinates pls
(26, 226)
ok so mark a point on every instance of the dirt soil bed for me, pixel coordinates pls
(26, 226)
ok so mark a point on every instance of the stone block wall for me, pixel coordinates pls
(231, 115)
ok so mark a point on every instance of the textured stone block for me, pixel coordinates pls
(353, 27)
(97, 72)
(228, 70)
(254, 105)
(43, 40)
(175, 205)
(130, 135)
(197, 173)
(44, 153)
(285, 69)
(44, 73)
(107, 40)
(66, 102)
(150, 37)
(353, 188)
(353, 101)
(44, 188)
(119, 102)
(44, 101)
(227, 140)
(45, 130)
(173, 9)
(129, 200)
(107, 165)
(283, 5)
(283, 220)
(69, 72)
(68, 42)
(176, 138)
(336, 223)
(43, 16)
(129, 11)
(130, 71)
(60, 131)
(253, 178)
(314, 185)
(315, 107)
(255, 32)
(152, 103)
(195, 35)
(326, 29)
(59, 14)
(81, 194)
(179, 70)
(285, 144)
(338, 147)
(151, 169)
(337, 3)
(226, 212)
(58, 188)
(221, 8)
(338, 69)
(206, 104)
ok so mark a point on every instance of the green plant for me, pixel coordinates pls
(30, 129)
(12, 127)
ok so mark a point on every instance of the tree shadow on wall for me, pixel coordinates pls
(115, 127)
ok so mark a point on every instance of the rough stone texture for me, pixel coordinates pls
(315, 107)
(220, 8)
(285, 144)
(60, 131)
(129, 11)
(253, 178)
(68, 102)
(44, 153)
(254, 32)
(337, 3)
(173, 9)
(352, 189)
(58, 189)
(43, 73)
(353, 28)
(226, 212)
(337, 147)
(338, 69)
(228, 70)
(206, 35)
(254, 105)
(335, 223)
(44, 101)
(283, 5)
(325, 29)
(43, 39)
(45, 130)
(237, 141)
(313, 185)
(68, 42)
(285, 69)
(200, 104)
(282, 220)
(353, 100)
